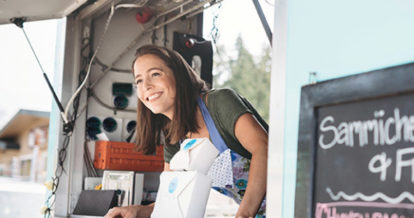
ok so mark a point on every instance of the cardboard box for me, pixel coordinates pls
(182, 194)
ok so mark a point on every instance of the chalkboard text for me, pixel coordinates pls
(384, 130)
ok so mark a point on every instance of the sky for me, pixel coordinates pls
(22, 85)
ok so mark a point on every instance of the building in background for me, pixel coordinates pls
(23, 146)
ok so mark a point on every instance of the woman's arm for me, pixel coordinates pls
(166, 166)
(254, 139)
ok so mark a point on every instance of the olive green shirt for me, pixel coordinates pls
(225, 107)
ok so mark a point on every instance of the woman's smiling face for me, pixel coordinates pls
(155, 85)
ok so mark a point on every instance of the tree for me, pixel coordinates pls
(248, 77)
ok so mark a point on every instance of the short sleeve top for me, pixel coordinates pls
(225, 107)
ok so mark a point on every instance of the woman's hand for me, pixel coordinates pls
(133, 211)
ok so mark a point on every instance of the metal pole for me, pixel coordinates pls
(263, 20)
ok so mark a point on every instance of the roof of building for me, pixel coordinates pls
(19, 121)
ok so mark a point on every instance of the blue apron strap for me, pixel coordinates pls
(212, 130)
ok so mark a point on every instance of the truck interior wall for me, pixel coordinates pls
(71, 66)
(122, 30)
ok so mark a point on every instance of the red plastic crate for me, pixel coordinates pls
(122, 156)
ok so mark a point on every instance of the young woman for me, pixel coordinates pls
(170, 110)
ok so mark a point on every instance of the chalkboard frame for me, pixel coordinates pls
(385, 82)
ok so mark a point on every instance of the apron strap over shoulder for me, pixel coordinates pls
(212, 130)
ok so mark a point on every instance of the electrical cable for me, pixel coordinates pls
(269, 3)
(62, 153)
(214, 32)
(154, 32)
(113, 8)
(92, 94)
(203, 9)
(180, 6)
(67, 127)
(88, 160)
(50, 201)
(83, 109)
(87, 156)
(165, 40)
(182, 14)
(74, 100)
(126, 50)
(134, 42)
(105, 67)
(105, 29)
(92, 59)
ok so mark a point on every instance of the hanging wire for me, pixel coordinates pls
(214, 32)
(69, 125)
(50, 201)
(62, 153)
(108, 21)
(270, 3)
(67, 128)
(154, 32)
(105, 67)
(88, 160)
(92, 59)
(165, 32)
(112, 12)
(154, 26)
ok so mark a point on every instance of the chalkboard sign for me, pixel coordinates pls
(356, 146)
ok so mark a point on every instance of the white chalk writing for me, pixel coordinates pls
(374, 197)
(404, 163)
(384, 163)
(379, 127)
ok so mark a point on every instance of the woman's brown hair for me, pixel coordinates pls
(188, 86)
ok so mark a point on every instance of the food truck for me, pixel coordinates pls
(93, 118)
(341, 117)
